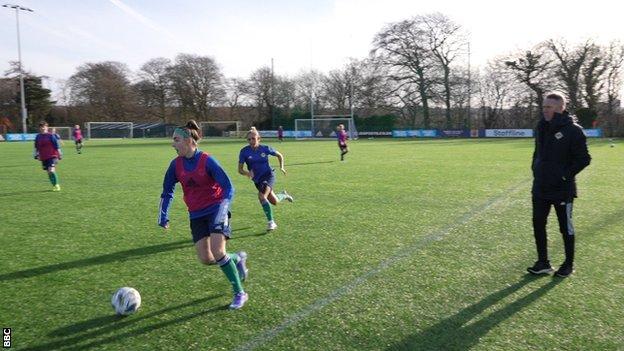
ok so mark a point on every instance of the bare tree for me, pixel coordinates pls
(336, 87)
(236, 95)
(614, 63)
(308, 90)
(370, 88)
(447, 42)
(569, 61)
(284, 95)
(494, 90)
(103, 88)
(197, 84)
(408, 104)
(260, 91)
(404, 48)
(593, 71)
(154, 87)
(532, 69)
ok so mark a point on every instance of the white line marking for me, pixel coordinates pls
(269, 334)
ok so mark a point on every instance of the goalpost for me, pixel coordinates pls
(324, 126)
(97, 130)
(64, 132)
(220, 128)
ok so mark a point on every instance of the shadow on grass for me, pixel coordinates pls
(91, 329)
(103, 259)
(606, 220)
(25, 192)
(97, 260)
(19, 165)
(249, 235)
(461, 332)
(308, 163)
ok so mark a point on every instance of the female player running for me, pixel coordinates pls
(208, 192)
(48, 151)
(77, 136)
(256, 157)
(342, 141)
(56, 135)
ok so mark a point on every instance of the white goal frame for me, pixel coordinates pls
(89, 124)
(68, 129)
(207, 123)
(348, 122)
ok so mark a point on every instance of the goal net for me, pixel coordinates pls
(97, 130)
(324, 127)
(64, 132)
(220, 129)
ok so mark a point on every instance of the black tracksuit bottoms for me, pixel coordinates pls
(541, 209)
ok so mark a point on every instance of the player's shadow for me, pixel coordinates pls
(264, 232)
(308, 163)
(97, 260)
(24, 192)
(70, 336)
(18, 165)
(461, 332)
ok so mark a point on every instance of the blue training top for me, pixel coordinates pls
(213, 168)
(257, 160)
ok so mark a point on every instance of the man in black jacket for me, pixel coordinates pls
(560, 154)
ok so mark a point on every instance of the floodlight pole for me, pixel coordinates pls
(469, 90)
(17, 8)
(272, 95)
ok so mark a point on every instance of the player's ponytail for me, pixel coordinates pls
(194, 130)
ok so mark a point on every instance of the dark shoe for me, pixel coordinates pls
(565, 270)
(540, 268)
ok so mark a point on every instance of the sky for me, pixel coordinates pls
(243, 35)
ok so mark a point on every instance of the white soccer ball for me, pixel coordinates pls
(126, 301)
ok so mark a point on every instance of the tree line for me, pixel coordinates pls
(417, 75)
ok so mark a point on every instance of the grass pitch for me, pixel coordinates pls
(408, 245)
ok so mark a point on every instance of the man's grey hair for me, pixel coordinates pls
(556, 96)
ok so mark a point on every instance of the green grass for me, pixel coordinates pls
(410, 244)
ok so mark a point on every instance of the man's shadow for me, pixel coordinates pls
(119, 327)
(454, 333)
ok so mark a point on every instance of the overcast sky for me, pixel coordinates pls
(244, 35)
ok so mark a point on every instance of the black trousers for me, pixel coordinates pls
(541, 209)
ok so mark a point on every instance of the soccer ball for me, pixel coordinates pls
(126, 301)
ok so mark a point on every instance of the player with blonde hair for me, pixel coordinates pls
(256, 157)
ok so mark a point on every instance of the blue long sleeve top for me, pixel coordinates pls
(214, 169)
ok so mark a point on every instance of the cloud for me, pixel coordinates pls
(142, 19)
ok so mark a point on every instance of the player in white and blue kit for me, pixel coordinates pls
(256, 157)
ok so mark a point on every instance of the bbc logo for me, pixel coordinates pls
(6, 338)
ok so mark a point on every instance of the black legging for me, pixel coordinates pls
(541, 209)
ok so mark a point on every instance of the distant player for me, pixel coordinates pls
(256, 157)
(48, 151)
(342, 136)
(56, 135)
(77, 136)
(208, 192)
(280, 134)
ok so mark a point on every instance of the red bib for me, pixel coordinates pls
(200, 189)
